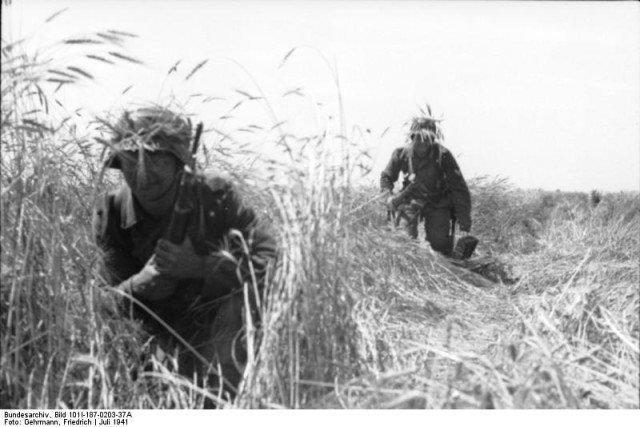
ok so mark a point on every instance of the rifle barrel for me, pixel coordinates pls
(196, 143)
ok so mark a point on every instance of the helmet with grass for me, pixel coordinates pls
(153, 128)
(420, 124)
(426, 125)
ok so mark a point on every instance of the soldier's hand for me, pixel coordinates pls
(391, 203)
(179, 261)
(148, 283)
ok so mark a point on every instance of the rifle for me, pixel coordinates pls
(184, 201)
(403, 197)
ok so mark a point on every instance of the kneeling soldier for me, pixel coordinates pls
(193, 283)
(434, 188)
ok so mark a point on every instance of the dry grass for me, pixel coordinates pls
(356, 316)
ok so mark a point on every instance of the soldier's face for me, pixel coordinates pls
(150, 176)
(422, 141)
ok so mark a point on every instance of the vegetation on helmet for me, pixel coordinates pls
(427, 126)
(152, 128)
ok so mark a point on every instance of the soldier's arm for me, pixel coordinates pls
(459, 189)
(120, 268)
(390, 174)
(247, 247)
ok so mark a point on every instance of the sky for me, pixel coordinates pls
(546, 94)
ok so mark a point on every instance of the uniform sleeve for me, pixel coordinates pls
(248, 247)
(117, 262)
(459, 190)
(390, 174)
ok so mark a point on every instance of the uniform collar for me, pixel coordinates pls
(130, 210)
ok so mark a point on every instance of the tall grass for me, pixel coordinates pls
(58, 334)
(356, 315)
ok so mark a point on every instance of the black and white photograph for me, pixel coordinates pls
(293, 205)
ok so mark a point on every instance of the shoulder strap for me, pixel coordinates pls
(411, 164)
(439, 156)
(441, 149)
(409, 153)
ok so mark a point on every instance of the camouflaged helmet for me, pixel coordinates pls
(425, 125)
(418, 124)
(152, 128)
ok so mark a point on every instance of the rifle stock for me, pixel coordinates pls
(403, 197)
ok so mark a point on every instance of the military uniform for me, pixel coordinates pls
(439, 193)
(208, 312)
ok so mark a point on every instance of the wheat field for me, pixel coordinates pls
(355, 316)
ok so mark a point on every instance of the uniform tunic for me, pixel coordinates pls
(438, 180)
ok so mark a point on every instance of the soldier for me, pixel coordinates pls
(195, 286)
(433, 189)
